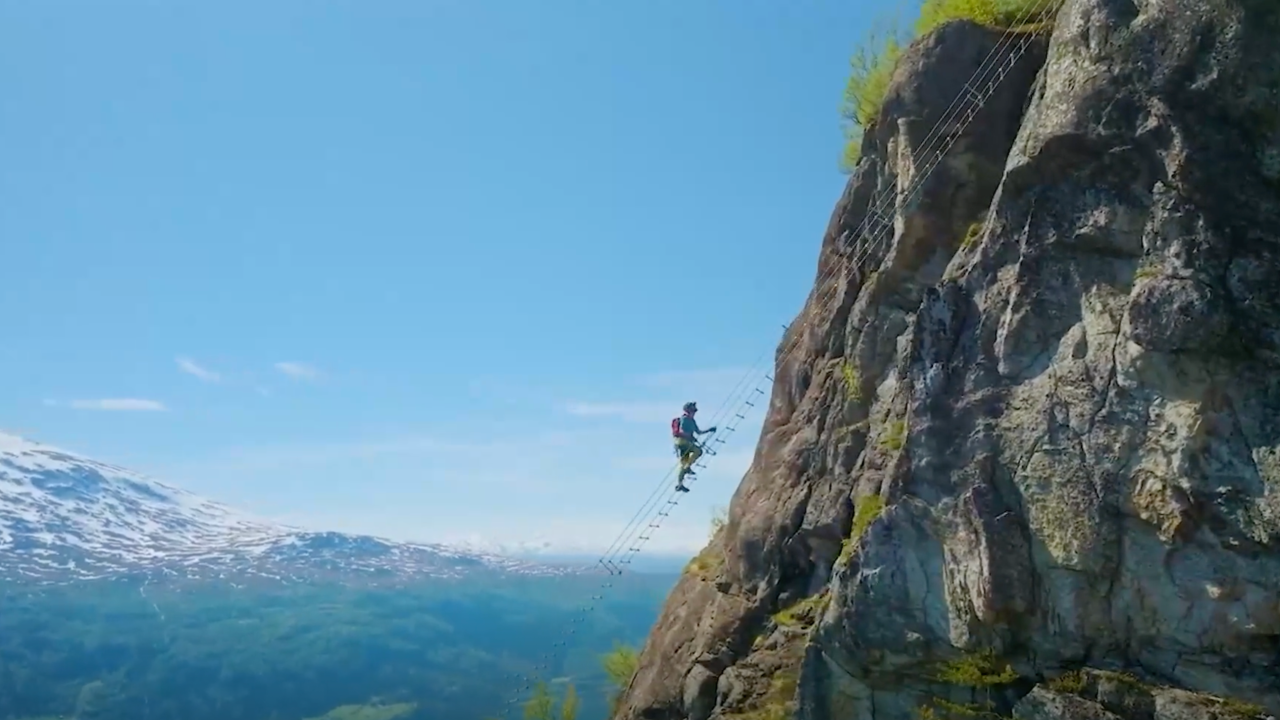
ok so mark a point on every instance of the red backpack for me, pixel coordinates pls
(675, 427)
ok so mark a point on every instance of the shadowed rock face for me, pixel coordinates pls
(1044, 380)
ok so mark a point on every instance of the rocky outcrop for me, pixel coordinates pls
(1028, 421)
(1110, 696)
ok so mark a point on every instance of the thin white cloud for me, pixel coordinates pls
(191, 367)
(639, 412)
(410, 445)
(111, 404)
(298, 371)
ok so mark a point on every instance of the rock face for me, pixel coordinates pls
(1028, 422)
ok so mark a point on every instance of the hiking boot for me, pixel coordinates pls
(680, 487)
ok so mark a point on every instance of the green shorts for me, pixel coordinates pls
(683, 446)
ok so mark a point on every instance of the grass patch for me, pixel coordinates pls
(804, 613)
(852, 380)
(1077, 682)
(1241, 709)
(871, 67)
(778, 703)
(870, 70)
(1003, 14)
(895, 436)
(706, 564)
(980, 671)
(1230, 707)
(1146, 271)
(719, 518)
(865, 511)
(972, 234)
(962, 710)
(846, 550)
(1068, 682)
(543, 705)
(620, 665)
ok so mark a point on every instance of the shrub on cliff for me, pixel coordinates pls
(875, 58)
(620, 665)
(871, 68)
(543, 706)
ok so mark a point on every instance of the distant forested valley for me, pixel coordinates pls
(438, 650)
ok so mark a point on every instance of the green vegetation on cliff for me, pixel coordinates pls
(865, 511)
(978, 672)
(620, 666)
(545, 706)
(707, 564)
(876, 57)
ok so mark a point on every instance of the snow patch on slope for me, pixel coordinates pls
(65, 516)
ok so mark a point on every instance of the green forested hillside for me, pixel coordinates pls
(441, 650)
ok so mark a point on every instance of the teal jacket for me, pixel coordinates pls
(688, 429)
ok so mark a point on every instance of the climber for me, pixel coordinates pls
(685, 432)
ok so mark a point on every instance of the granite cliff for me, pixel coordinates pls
(1022, 454)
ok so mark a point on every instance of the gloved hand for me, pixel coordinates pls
(711, 429)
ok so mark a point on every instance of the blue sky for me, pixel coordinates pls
(432, 270)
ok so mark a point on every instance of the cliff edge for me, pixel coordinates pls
(1022, 454)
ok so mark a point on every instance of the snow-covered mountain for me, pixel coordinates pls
(66, 517)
